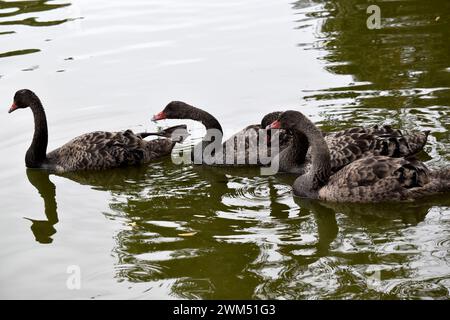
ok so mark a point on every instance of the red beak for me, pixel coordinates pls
(159, 116)
(274, 125)
(13, 107)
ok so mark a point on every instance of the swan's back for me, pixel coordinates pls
(352, 144)
(349, 145)
(380, 178)
(406, 142)
(102, 150)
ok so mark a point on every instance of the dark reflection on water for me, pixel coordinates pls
(18, 52)
(10, 9)
(21, 7)
(351, 243)
(202, 232)
(175, 215)
(43, 230)
(400, 72)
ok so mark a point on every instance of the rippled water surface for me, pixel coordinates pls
(173, 231)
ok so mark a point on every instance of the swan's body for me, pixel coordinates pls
(377, 179)
(92, 151)
(369, 179)
(104, 150)
(243, 148)
(352, 144)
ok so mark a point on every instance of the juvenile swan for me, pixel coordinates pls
(249, 135)
(351, 144)
(369, 179)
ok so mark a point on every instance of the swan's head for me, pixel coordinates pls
(289, 120)
(23, 99)
(174, 110)
(269, 118)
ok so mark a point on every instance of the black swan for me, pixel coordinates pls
(92, 151)
(369, 179)
(250, 135)
(351, 144)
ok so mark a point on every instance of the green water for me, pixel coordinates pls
(170, 231)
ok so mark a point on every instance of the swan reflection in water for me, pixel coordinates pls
(237, 226)
(43, 230)
(152, 184)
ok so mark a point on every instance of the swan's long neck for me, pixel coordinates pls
(320, 171)
(214, 132)
(300, 145)
(37, 152)
(207, 119)
(41, 181)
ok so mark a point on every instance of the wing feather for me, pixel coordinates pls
(101, 150)
(374, 179)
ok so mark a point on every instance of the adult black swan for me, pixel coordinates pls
(369, 179)
(243, 148)
(351, 144)
(92, 151)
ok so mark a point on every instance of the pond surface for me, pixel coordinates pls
(167, 231)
